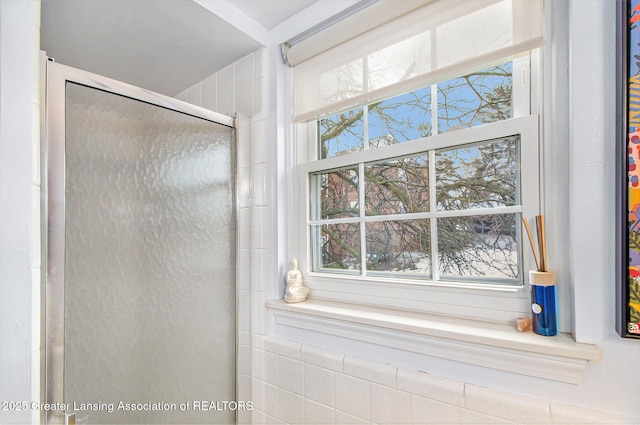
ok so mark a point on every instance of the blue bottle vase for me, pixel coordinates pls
(544, 306)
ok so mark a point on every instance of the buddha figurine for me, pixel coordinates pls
(296, 291)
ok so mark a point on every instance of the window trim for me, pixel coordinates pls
(478, 301)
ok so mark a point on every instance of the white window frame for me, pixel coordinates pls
(484, 301)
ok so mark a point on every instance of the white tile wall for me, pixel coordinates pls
(388, 405)
(324, 358)
(563, 414)
(209, 93)
(316, 413)
(319, 384)
(194, 95)
(344, 418)
(266, 396)
(512, 407)
(343, 389)
(471, 417)
(381, 373)
(431, 387)
(291, 375)
(425, 410)
(244, 72)
(290, 407)
(352, 395)
(226, 91)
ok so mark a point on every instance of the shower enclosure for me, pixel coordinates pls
(141, 256)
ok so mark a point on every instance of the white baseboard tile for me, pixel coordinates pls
(337, 388)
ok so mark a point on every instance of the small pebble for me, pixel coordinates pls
(523, 324)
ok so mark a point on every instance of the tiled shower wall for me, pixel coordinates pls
(241, 88)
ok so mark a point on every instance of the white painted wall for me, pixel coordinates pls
(592, 189)
(19, 204)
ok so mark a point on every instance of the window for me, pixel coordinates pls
(448, 211)
(417, 156)
(478, 98)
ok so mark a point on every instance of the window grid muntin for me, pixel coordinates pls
(432, 215)
(525, 121)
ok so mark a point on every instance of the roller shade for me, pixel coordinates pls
(367, 16)
(438, 40)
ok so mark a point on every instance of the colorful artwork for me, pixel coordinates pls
(633, 168)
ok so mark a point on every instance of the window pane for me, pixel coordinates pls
(479, 246)
(341, 133)
(401, 118)
(398, 247)
(397, 186)
(478, 98)
(336, 246)
(481, 175)
(335, 194)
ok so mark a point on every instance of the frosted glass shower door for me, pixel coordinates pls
(149, 264)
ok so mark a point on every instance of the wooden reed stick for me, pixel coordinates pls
(532, 242)
(542, 243)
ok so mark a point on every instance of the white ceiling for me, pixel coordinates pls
(161, 45)
(271, 13)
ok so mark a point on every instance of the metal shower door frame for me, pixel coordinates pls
(53, 210)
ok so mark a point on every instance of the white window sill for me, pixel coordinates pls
(493, 345)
